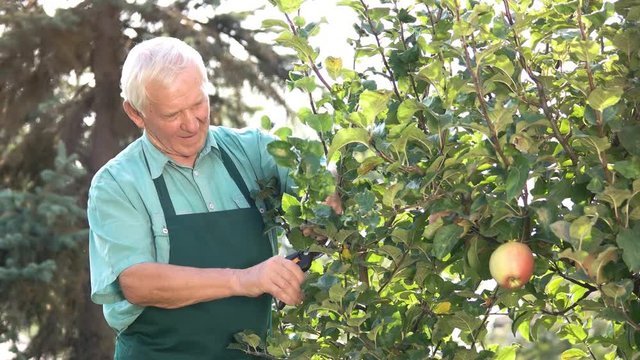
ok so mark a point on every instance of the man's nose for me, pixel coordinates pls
(190, 121)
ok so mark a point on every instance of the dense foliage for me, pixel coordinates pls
(463, 125)
(39, 234)
(59, 83)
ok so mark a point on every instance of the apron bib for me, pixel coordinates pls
(223, 239)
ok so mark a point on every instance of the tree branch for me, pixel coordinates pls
(381, 51)
(540, 89)
(485, 317)
(421, 122)
(309, 59)
(480, 96)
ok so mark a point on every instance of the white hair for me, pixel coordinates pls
(158, 59)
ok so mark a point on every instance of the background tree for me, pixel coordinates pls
(463, 125)
(60, 84)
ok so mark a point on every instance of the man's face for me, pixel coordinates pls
(176, 117)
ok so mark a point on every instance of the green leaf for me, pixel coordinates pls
(347, 136)
(300, 45)
(248, 338)
(430, 230)
(369, 164)
(283, 133)
(627, 41)
(518, 175)
(580, 232)
(507, 352)
(505, 64)
(288, 201)
(630, 138)
(405, 17)
(601, 98)
(446, 238)
(407, 108)
(283, 153)
(585, 50)
(629, 168)
(629, 242)
(336, 292)
(266, 123)
(320, 122)
(373, 103)
(575, 333)
(619, 291)
(590, 143)
(270, 23)
(561, 229)
(405, 133)
(306, 83)
(390, 195)
(573, 354)
(502, 116)
(614, 196)
(288, 6)
(333, 66)
(522, 325)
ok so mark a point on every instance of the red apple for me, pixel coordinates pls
(511, 265)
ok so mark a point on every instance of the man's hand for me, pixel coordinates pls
(335, 202)
(277, 276)
(311, 230)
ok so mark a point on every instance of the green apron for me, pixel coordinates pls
(222, 239)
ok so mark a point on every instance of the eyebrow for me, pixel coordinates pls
(202, 99)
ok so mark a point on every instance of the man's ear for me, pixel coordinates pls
(133, 114)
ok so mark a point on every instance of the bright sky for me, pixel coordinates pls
(331, 40)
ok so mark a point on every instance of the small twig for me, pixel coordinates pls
(570, 307)
(487, 313)
(562, 275)
(587, 67)
(380, 50)
(540, 89)
(493, 134)
(393, 273)
(629, 320)
(421, 121)
(309, 59)
(592, 87)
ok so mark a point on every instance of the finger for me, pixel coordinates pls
(287, 282)
(293, 271)
(290, 298)
(287, 294)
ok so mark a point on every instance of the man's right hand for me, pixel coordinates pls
(277, 276)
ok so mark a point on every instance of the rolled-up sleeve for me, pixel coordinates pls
(120, 236)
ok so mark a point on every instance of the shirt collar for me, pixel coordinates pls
(157, 160)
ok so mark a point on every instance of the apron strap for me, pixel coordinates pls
(165, 199)
(163, 194)
(235, 175)
(161, 189)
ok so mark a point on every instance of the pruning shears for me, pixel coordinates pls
(303, 259)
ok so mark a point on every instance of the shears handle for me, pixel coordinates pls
(303, 259)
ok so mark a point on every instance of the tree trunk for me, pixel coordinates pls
(95, 339)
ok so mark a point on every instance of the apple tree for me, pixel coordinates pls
(462, 125)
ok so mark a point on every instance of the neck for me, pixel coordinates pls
(187, 161)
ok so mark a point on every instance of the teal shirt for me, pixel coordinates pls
(126, 221)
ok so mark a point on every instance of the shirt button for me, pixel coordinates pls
(210, 206)
(165, 230)
(196, 173)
